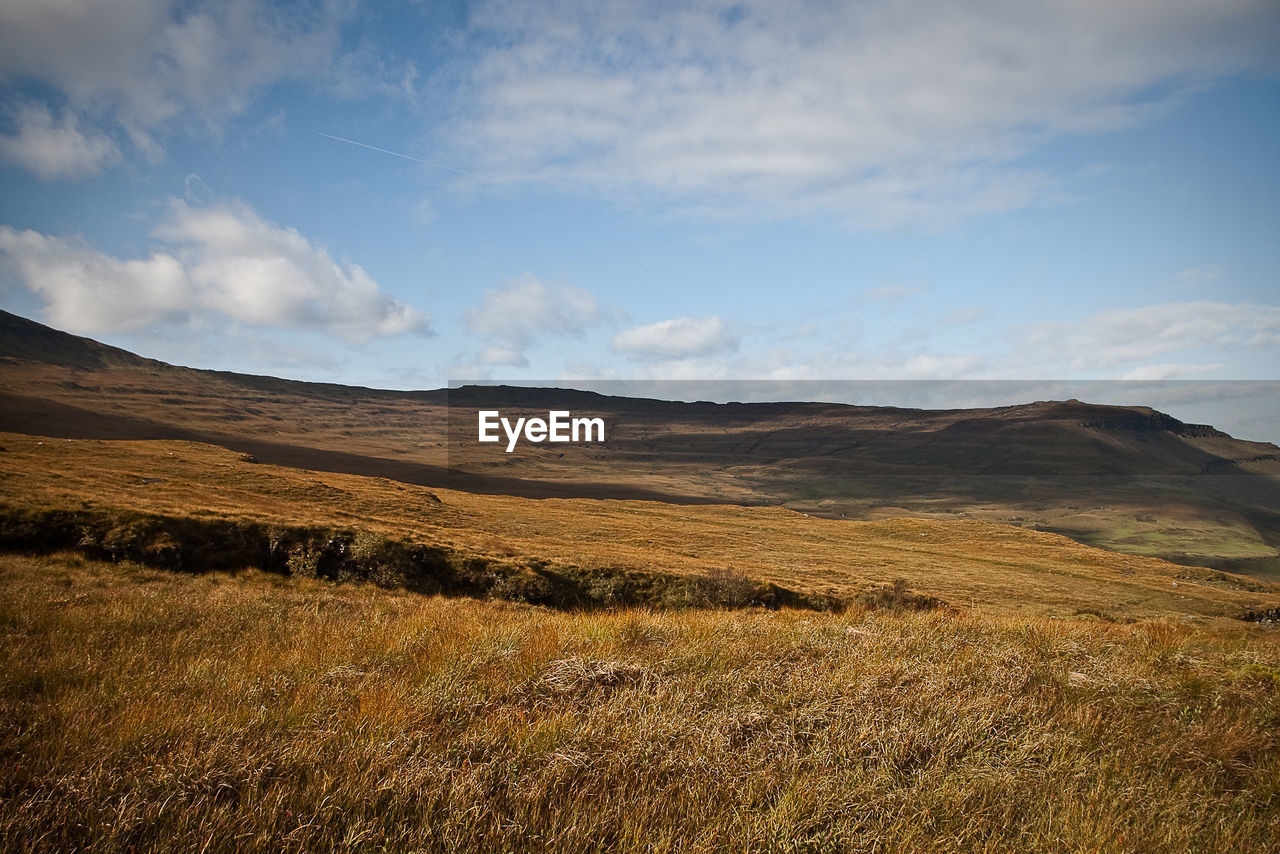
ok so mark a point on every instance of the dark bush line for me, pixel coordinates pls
(188, 544)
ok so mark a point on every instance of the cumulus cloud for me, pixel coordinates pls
(263, 274)
(877, 112)
(525, 310)
(56, 148)
(219, 260)
(679, 338)
(87, 291)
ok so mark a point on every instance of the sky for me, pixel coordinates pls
(405, 194)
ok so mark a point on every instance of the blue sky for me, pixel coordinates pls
(699, 191)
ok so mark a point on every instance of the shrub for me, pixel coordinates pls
(383, 561)
(607, 590)
(898, 597)
(724, 587)
(304, 560)
(520, 586)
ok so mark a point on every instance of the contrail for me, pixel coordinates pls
(393, 153)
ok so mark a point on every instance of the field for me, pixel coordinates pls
(962, 562)
(1127, 479)
(148, 711)
(952, 686)
(242, 614)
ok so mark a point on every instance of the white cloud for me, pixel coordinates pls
(143, 66)
(219, 260)
(151, 59)
(525, 310)
(1134, 336)
(87, 291)
(679, 338)
(877, 112)
(56, 148)
(1160, 342)
(494, 357)
(263, 274)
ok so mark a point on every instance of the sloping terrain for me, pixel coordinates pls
(952, 684)
(963, 562)
(1128, 479)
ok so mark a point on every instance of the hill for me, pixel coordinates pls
(1129, 479)
(592, 675)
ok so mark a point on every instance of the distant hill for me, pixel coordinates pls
(25, 340)
(1127, 478)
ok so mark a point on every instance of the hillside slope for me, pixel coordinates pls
(1128, 479)
(967, 563)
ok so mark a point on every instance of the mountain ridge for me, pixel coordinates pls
(28, 340)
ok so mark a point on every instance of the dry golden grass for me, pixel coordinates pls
(1072, 700)
(964, 562)
(1188, 498)
(150, 711)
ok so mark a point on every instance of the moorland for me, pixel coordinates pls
(242, 613)
(1127, 479)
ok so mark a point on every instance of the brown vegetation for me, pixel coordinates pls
(142, 710)
(202, 649)
(182, 494)
(1127, 479)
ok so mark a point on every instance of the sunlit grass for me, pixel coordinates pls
(142, 710)
(962, 562)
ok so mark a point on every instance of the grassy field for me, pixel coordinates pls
(1063, 698)
(1125, 479)
(151, 711)
(963, 562)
